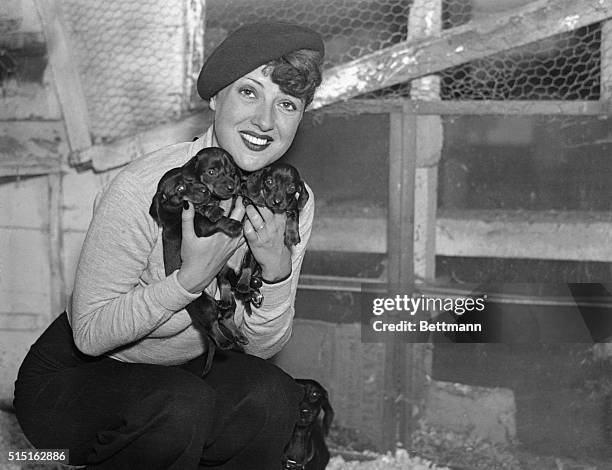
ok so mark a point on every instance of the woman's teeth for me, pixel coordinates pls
(254, 140)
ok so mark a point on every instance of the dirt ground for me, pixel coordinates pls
(435, 449)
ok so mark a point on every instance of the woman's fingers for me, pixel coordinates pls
(257, 217)
(187, 221)
(239, 209)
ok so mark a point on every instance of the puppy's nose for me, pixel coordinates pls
(230, 186)
(277, 201)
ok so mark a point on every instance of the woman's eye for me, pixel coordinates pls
(288, 106)
(246, 91)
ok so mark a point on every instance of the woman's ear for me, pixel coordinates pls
(212, 103)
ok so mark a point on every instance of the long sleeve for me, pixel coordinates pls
(269, 327)
(111, 307)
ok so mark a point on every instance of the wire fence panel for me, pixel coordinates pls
(562, 67)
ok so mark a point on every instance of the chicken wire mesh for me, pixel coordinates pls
(134, 58)
(562, 67)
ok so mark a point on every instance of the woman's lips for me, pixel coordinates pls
(255, 142)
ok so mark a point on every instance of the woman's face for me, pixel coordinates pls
(254, 120)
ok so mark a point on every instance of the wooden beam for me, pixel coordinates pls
(571, 236)
(65, 76)
(123, 151)
(400, 246)
(412, 59)
(471, 107)
(425, 20)
(21, 321)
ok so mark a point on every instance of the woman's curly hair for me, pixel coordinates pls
(297, 73)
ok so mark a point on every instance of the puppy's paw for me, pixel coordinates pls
(231, 332)
(257, 298)
(220, 337)
(214, 213)
(230, 227)
(292, 237)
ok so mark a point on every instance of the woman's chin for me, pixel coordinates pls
(253, 163)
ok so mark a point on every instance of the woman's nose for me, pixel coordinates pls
(264, 117)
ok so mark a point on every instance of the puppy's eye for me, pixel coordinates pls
(212, 172)
(269, 182)
(181, 188)
(291, 188)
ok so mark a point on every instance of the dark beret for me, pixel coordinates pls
(249, 47)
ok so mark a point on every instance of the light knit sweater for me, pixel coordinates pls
(124, 305)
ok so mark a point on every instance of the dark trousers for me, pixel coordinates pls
(116, 415)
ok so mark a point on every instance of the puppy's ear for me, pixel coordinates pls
(190, 168)
(253, 185)
(158, 199)
(328, 416)
(303, 196)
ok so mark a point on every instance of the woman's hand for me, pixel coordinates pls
(202, 258)
(265, 234)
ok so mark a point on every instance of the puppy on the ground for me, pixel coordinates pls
(307, 449)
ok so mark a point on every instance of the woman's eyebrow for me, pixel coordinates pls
(256, 81)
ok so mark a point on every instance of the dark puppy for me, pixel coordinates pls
(280, 188)
(306, 449)
(206, 179)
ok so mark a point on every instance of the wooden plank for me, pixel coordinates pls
(123, 151)
(412, 59)
(572, 236)
(473, 107)
(400, 225)
(24, 286)
(65, 76)
(31, 148)
(20, 321)
(360, 234)
(56, 260)
(24, 205)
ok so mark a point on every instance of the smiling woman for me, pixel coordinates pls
(254, 120)
(122, 371)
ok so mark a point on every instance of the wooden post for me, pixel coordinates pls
(400, 236)
(606, 60)
(425, 20)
